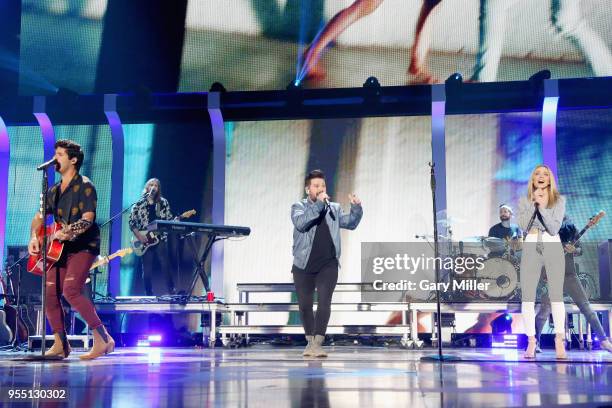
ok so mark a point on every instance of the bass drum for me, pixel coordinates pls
(501, 276)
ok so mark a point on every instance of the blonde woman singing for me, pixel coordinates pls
(540, 215)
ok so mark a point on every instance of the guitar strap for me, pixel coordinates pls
(56, 199)
(56, 269)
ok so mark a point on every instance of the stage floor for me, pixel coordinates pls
(263, 376)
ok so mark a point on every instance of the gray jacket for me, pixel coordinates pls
(553, 217)
(304, 215)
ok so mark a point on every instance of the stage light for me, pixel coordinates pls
(540, 76)
(454, 79)
(295, 85)
(142, 343)
(371, 82)
(148, 340)
(505, 341)
(502, 324)
(67, 96)
(217, 87)
(66, 93)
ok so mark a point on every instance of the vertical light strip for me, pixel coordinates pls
(48, 134)
(5, 158)
(218, 196)
(114, 121)
(549, 124)
(438, 148)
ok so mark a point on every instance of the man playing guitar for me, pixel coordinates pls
(73, 203)
(152, 206)
(571, 285)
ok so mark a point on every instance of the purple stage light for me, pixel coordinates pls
(505, 341)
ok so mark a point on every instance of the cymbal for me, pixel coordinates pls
(475, 239)
(448, 221)
(431, 236)
(494, 241)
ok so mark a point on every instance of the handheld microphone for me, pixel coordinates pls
(47, 164)
(328, 206)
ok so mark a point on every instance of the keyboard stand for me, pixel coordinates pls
(199, 263)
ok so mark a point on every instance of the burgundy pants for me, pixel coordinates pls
(67, 278)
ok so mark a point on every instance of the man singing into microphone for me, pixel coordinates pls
(316, 250)
(152, 206)
(73, 203)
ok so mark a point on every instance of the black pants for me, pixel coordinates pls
(305, 283)
(573, 287)
(155, 264)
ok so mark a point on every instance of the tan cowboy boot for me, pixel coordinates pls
(60, 348)
(103, 344)
(308, 350)
(316, 349)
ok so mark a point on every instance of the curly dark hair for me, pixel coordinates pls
(73, 149)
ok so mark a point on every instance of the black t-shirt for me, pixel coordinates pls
(323, 251)
(499, 231)
(151, 211)
(69, 206)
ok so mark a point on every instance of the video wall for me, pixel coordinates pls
(266, 44)
(489, 159)
(26, 152)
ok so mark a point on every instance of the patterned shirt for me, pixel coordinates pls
(68, 207)
(139, 216)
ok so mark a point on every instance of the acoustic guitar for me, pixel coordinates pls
(55, 247)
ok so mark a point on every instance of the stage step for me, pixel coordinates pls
(371, 330)
(336, 307)
(80, 341)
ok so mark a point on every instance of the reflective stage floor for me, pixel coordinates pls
(263, 376)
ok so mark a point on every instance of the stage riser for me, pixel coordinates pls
(398, 330)
(76, 342)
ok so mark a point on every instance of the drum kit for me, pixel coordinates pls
(501, 262)
(501, 269)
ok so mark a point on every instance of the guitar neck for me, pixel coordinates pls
(580, 234)
(103, 261)
(592, 222)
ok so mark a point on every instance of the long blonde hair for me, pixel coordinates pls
(553, 193)
(148, 183)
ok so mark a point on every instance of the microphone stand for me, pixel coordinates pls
(94, 273)
(43, 197)
(438, 357)
(43, 251)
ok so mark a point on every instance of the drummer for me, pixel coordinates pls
(505, 230)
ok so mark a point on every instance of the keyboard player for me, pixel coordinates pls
(155, 262)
